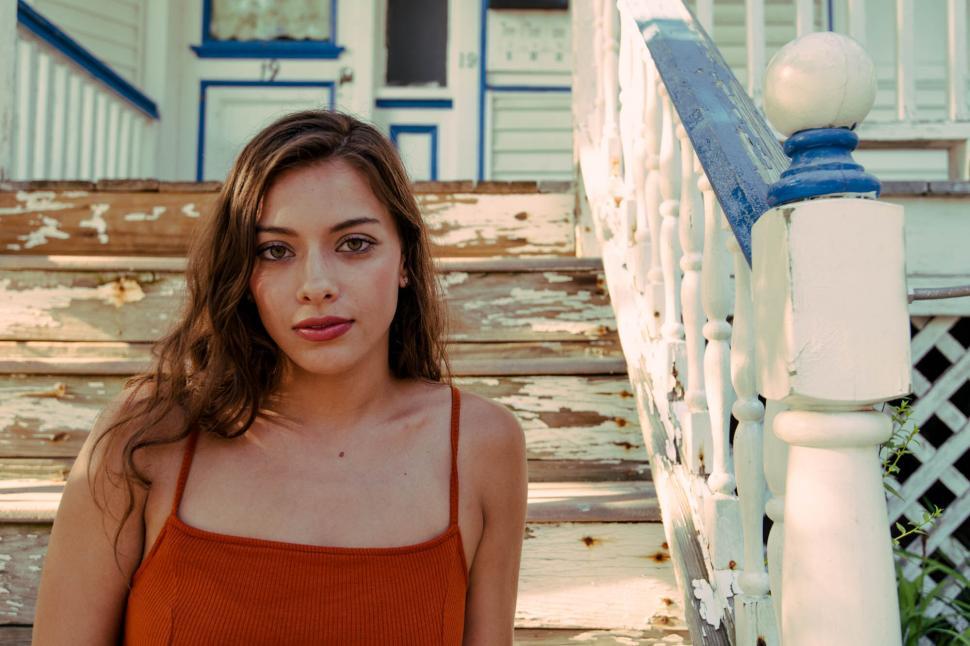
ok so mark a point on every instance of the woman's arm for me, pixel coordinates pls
(82, 594)
(500, 464)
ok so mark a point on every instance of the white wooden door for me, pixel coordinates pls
(234, 88)
(431, 109)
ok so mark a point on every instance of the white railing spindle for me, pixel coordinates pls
(905, 60)
(775, 469)
(650, 262)
(956, 59)
(754, 21)
(721, 513)
(755, 615)
(857, 21)
(804, 17)
(672, 329)
(697, 426)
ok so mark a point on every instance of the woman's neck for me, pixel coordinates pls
(335, 403)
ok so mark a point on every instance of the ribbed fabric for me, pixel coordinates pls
(197, 587)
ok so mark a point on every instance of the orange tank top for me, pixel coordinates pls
(201, 587)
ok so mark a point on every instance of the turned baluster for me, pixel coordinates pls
(649, 272)
(722, 523)
(696, 423)
(753, 609)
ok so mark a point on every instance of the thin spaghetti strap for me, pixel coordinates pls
(453, 487)
(184, 471)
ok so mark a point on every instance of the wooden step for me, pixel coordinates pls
(20, 636)
(594, 557)
(36, 501)
(160, 218)
(539, 470)
(583, 418)
(51, 298)
(593, 357)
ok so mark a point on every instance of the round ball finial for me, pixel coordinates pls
(821, 80)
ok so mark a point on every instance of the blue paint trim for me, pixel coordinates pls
(429, 129)
(822, 165)
(301, 49)
(295, 49)
(529, 88)
(482, 56)
(205, 84)
(29, 18)
(431, 104)
(736, 147)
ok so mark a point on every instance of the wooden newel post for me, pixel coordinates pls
(833, 340)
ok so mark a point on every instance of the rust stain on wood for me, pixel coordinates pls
(589, 541)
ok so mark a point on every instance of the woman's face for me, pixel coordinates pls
(326, 246)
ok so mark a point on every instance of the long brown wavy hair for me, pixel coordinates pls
(217, 367)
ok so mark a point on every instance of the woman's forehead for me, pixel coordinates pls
(322, 195)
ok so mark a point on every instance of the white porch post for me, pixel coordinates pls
(8, 85)
(833, 340)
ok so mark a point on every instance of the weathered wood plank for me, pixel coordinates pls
(77, 221)
(564, 417)
(20, 636)
(141, 306)
(594, 357)
(539, 470)
(36, 501)
(15, 635)
(615, 575)
(573, 575)
(561, 637)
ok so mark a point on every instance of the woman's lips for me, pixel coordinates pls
(325, 333)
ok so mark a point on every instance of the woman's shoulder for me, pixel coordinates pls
(124, 418)
(490, 430)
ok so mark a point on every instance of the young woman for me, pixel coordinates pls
(295, 469)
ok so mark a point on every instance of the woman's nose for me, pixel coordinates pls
(318, 281)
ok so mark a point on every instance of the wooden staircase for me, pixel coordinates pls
(92, 274)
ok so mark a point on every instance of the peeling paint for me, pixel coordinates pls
(556, 277)
(549, 228)
(97, 221)
(714, 602)
(40, 236)
(31, 308)
(49, 416)
(450, 278)
(544, 310)
(156, 213)
(35, 201)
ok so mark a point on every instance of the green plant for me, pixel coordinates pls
(891, 452)
(916, 601)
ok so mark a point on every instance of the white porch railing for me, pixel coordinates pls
(678, 165)
(72, 116)
(921, 61)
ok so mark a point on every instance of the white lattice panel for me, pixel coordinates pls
(936, 472)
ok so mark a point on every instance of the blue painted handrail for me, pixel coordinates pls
(735, 145)
(47, 31)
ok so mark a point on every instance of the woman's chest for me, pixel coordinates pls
(399, 498)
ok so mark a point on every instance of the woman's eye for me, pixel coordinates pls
(272, 256)
(356, 245)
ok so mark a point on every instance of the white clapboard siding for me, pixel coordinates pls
(531, 136)
(69, 124)
(113, 30)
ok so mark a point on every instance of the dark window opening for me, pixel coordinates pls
(417, 42)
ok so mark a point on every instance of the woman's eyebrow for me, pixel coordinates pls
(346, 224)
